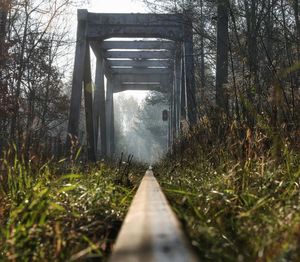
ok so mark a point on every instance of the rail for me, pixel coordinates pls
(150, 231)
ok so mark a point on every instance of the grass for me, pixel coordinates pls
(237, 194)
(236, 208)
(54, 212)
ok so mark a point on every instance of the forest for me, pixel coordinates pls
(232, 178)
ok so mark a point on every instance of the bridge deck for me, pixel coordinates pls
(151, 231)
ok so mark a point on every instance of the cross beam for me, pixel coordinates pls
(141, 71)
(139, 54)
(141, 78)
(140, 63)
(124, 20)
(101, 26)
(170, 45)
(139, 86)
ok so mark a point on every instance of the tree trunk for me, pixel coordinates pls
(4, 6)
(202, 58)
(222, 55)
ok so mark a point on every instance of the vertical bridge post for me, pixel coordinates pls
(81, 46)
(99, 105)
(110, 132)
(81, 74)
(190, 70)
(88, 104)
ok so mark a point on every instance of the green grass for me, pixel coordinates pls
(54, 212)
(236, 209)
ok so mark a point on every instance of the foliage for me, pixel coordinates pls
(50, 214)
(263, 54)
(237, 194)
(33, 99)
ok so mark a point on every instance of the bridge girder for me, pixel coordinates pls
(165, 66)
(141, 71)
(138, 55)
(140, 44)
(140, 63)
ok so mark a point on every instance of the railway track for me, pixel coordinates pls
(151, 231)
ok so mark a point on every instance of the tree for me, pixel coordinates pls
(33, 98)
(222, 55)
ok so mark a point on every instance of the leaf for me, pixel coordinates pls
(67, 188)
(78, 153)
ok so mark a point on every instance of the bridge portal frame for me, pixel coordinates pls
(174, 57)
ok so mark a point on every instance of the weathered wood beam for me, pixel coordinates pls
(135, 19)
(96, 32)
(139, 71)
(178, 82)
(139, 54)
(150, 231)
(78, 75)
(190, 73)
(88, 104)
(109, 104)
(99, 106)
(140, 78)
(142, 63)
(136, 86)
(138, 45)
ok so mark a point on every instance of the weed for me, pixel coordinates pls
(49, 217)
(238, 200)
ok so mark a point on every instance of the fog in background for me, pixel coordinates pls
(139, 128)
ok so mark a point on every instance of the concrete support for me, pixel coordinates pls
(99, 106)
(110, 128)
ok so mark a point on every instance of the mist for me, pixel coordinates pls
(139, 128)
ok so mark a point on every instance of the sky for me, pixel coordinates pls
(117, 6)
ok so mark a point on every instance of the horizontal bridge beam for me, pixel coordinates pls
(122, 87)
(96, 32)
(138, 45)
(141, 78)
(139, 71)
(142, 64)
(139, 54)
(134, 19)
